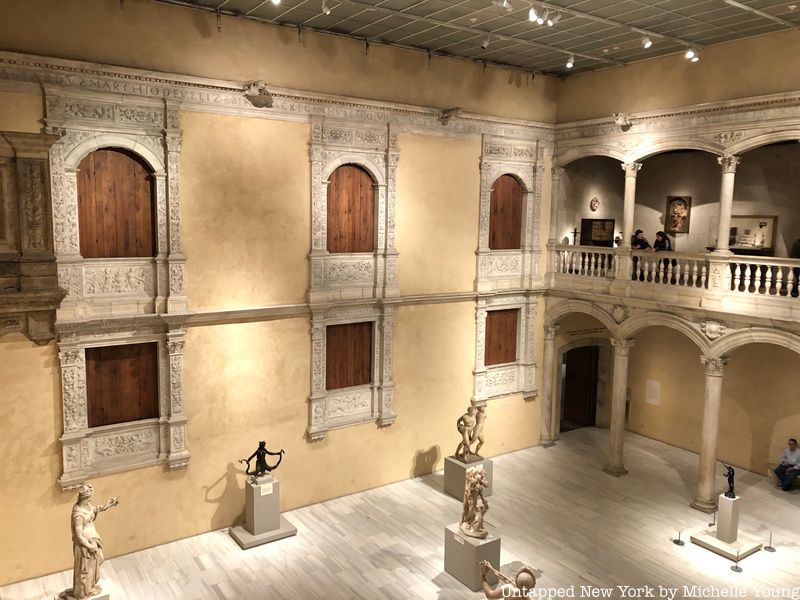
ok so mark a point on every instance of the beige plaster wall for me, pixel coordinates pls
(242, 383)
(246, 211)
(436, 214)
(759, 409)
(176, 39)
(750, 67)
(21, 112)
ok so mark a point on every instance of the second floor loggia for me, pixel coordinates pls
(731, 219)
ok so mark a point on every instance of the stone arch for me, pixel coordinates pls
(763, 139)
(518, 172)
(603, 343)
(562, 309)
(661, 146)
(113, 140)
(755, 335)
(573, 154)
(637, 323)
(374, 170)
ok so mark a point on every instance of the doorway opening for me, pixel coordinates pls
(579, 400)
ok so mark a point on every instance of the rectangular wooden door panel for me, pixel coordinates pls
(501, 337)
(580, 386)
(348, 355)
(122, 383)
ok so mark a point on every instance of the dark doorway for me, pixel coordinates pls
(580, 388)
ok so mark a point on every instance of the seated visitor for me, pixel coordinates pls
(789, 467)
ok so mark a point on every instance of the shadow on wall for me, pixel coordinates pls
(425, 461)
(227, 496)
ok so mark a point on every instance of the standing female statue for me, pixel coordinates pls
(87, 546)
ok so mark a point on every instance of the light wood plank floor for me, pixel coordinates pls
(553, 507)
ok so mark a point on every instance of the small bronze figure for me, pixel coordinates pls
(261, 461)
(731, 474)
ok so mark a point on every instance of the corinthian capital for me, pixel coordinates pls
(631, 169)
(714, 366)
(729, 162)
(622, 346)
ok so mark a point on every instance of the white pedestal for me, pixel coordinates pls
(463, 556)
(455, 471)
(726, 539)
(264, 522)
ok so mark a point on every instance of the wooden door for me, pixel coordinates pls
(116, 205)
(505, 214)
(580, 388)
(351, 210)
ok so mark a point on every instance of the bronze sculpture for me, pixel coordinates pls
(261, 461)
(730, 474)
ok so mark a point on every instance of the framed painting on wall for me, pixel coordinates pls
(597, 232)
(679, 209)
(753, 234)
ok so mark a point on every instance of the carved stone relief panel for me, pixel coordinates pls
(345, 276)
(330, 409)
(510, 269)
(89, 451)
(28, 277)
(500, 380)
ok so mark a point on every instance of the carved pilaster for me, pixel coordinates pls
(387, 414)
(73, 388)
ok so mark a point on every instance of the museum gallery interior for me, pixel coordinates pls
(399, 299)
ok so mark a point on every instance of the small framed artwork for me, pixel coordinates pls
(753, 234)
(679, 209)
(597, 232)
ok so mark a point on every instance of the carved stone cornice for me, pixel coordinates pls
(28, 72)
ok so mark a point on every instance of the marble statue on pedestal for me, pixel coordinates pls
(520, 587)
(470, 426)
(87, 546)
(475, 505)
(262, 467)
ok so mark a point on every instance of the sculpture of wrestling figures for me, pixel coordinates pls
(475, 505)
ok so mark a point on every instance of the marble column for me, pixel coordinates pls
(631, 170)
(548, 385)
(555, 201)
(619, 395)
(706, 494)
(728, 164)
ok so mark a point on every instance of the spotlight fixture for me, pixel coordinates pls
(691, 53)
(506, 4)
(325, 8)
(554, 19)
(543, 17)
(485, 43)
(570, 62)
(646, 42)
(276, 2)
(696, 57)
(532, 14)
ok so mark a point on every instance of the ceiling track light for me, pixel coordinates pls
(553, 19)
(543, 17)
(533, 14)
(485, 43)
(325, 8)
(570, 62)
(506, 4)
(693, 54)
(276, 2)
(646, 42)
